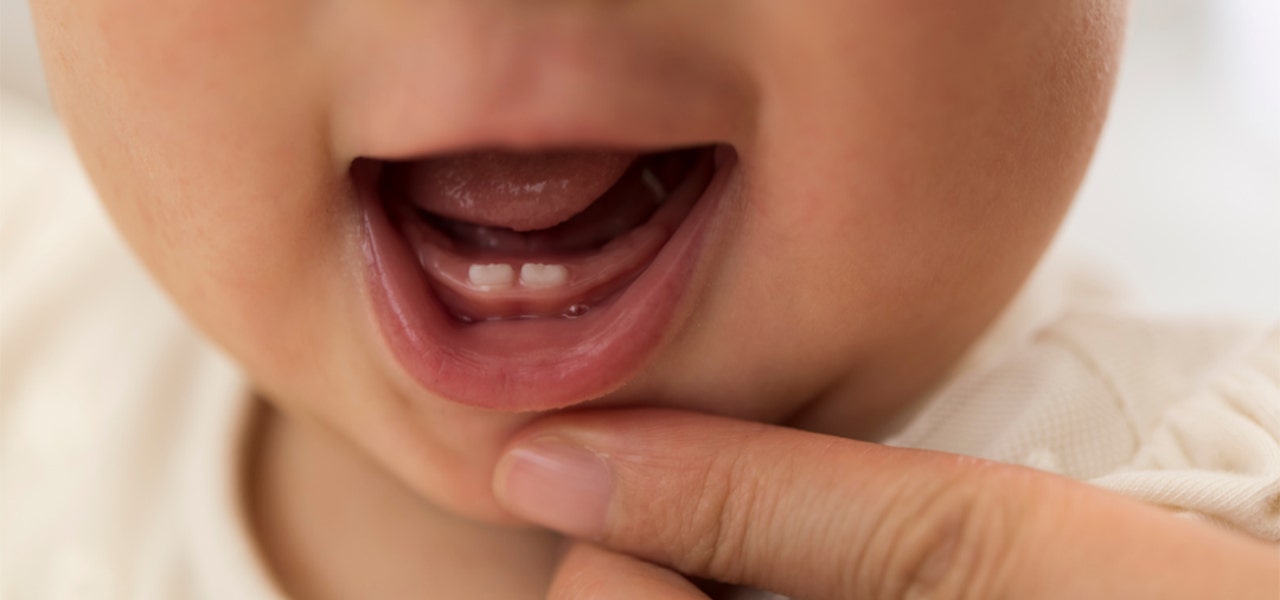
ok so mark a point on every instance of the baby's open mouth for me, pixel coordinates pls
(523, 281)
(505, 235)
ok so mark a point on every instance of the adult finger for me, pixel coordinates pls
(813, 516)
(589, 572)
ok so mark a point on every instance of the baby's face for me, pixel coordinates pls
(415, 223)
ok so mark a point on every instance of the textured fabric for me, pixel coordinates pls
(121, 431)
(1178, 412)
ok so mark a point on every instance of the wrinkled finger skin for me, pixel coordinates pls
(814, 516)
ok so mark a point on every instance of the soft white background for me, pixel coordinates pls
(1183, 200)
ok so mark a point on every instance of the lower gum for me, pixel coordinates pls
(573, 311)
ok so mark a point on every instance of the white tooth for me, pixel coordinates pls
(491, 277)
(654, 184)
(536, 275)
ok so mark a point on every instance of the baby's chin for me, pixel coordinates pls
(446, 452)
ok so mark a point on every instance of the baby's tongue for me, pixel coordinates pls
(520, 191)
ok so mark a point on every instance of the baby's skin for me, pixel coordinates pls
(357, 200)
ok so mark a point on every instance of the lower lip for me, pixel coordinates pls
(536, 364)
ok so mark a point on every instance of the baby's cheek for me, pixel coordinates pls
(199, 124)
(170, 100)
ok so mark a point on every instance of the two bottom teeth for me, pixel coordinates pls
(501, 276)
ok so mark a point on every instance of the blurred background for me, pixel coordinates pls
(1183, 199)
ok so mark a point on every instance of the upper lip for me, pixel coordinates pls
(540, 84)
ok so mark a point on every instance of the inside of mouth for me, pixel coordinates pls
(505, 236)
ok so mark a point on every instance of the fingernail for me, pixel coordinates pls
(556, 484)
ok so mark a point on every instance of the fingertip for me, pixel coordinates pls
(556, 483)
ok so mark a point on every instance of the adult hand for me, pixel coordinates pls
(659, 494)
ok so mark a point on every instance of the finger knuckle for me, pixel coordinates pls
(579, 576)
(727, 511)
(579, 586)
(954, 540)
